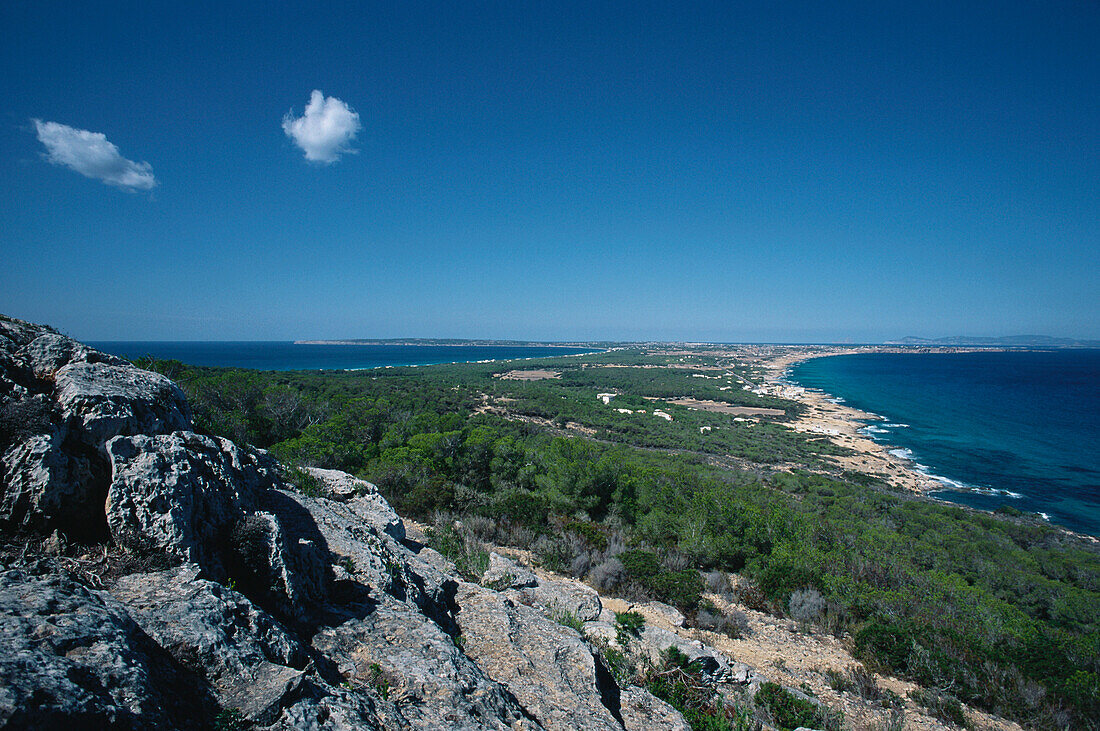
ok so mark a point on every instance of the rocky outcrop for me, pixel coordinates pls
(75, 658)
(60, 401)
(268, 608)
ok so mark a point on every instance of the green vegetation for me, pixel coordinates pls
(788, 711)
(1001, 609)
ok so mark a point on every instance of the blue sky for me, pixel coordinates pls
(797, 171)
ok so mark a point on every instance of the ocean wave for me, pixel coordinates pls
(1045, 516)
(902, 453)
(895, 426)
(835, 400)
(871, 429)
(953, 484)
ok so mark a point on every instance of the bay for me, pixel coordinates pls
(289, 356)
(1015, 428)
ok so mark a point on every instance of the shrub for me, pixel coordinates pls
(680, 588)
(303, 482)
(806, 606)
(942, 705)
(607, 575)
(468, 556)
(628, 624)
(733, 624)
(718, 582)
(789, 711)
(751, 596)
(888, 645)
(568, 619)
(22, 419)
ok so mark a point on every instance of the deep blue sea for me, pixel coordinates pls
(1016, 428)
(286, 356)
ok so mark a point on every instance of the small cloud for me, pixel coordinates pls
(325, 130)
(91, 155)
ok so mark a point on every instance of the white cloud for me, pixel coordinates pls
(91, 155)
(325, 130)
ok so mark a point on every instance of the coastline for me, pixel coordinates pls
(841, 424)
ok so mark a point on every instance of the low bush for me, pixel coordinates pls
(788, 711)
(806, 606)
(943, 706)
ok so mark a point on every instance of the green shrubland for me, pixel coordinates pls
(1000, 609)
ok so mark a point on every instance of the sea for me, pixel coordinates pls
(289, 356)
(1016, 428)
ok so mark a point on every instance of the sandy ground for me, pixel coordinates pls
(721, 408)
(532, 375)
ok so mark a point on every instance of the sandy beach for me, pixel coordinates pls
(841, 424)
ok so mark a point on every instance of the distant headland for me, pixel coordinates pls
(1010, 341)
(459, 341)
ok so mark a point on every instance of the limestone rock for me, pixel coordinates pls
(711, 662)
(504, 573)
(47, 486)
(548, 667)
(429, 680)
(251, 663)
(661, 612)
(49, 352)
(103, 400)
(75, 659)
(214, 504)
(643, 711)
(370, 505)
(179, 492)
(556, 596)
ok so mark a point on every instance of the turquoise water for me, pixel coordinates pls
(287, 356)
(997, 428)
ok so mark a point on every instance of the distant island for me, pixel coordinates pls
(1009, 341)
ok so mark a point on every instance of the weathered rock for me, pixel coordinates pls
(643, 711)
(602, 632)
(561, 596)
(548, 667)
(47, 486)
(180, 492)
(661, 612)
(73, 658)
(211, 503)
(49, 352)
(373, 508)
(101, 400)
(251, 663)
(712, 663)
(504, 573)
(430, 682)
(337, 710)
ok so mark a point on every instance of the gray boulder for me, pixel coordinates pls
(73, 658)
(102, 400)
(551, 671)
(504, 573)
(250, 662)
(712, 663)
(559, 596)
(214, 504)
